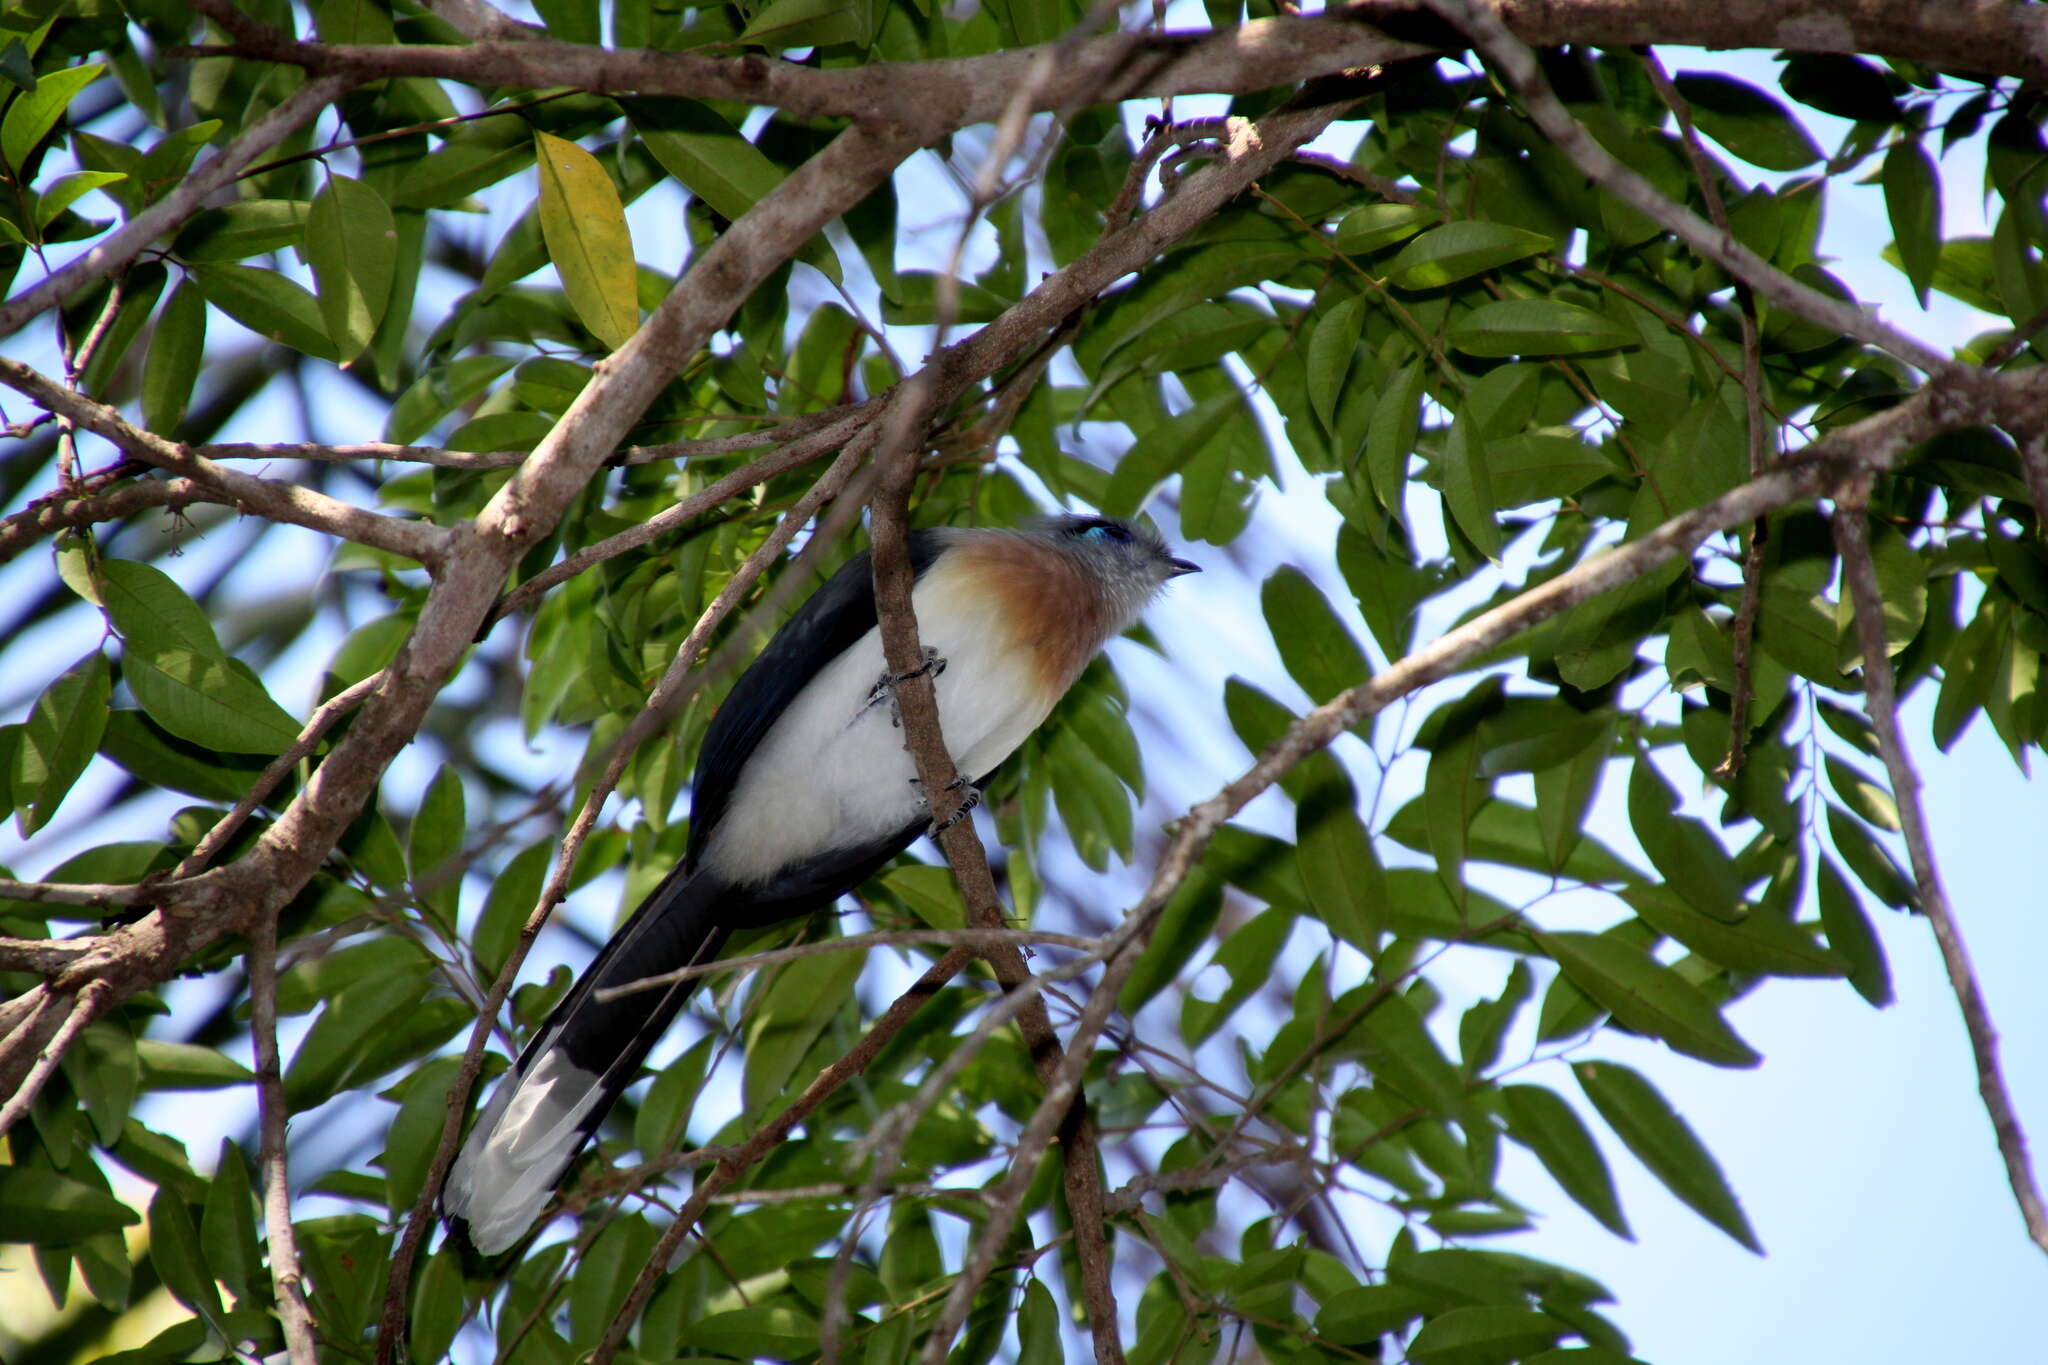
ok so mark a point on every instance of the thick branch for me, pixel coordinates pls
(1258, 55)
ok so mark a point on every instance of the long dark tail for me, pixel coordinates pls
(578, 1064)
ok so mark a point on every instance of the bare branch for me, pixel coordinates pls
(416, 540)
(47, 956)
(92, 895)
(285, 1275)
(1852, 540)
(67, 511)
(1258, 55)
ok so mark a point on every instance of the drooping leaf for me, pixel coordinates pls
(1665, 1144)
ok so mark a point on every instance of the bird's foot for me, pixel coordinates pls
(885, 686)
(970, 798)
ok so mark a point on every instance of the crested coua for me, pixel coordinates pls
(803, 790)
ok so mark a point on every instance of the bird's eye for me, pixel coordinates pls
(1106, 530)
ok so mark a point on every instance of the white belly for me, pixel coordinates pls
(833, 773)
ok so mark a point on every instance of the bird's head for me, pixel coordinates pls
(1128, 563)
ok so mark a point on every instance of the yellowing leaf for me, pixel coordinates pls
(584, 226)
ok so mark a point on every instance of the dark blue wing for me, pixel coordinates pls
(836, 616)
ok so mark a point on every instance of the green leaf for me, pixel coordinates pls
(1746, 121)
(1314, 644)
(1758, 942)
(415, 1132)
(1332, 346)
(1546, 1125)
(1508, 327)
(227, 1227)
(1647, 996)
(352, 246)
(1912, 196)
(267, 304)
(776, 1329)
(178, 671)
(59, 738)
(1851, 934)
(187, 1066)
(1459, 250)
(179, 1259)
(1381, 225)
(1468, 492)
(42, 1208)
(789, 1017)
(1491, 1334)
(103, 1070)
(1343, 876)
(353, 1022)
(1389, 440)
(434, 848)
(1248, 956)
(585, 228)
(930, 893)
(32, 115)
(240, 229)
(1661, 1140)
(1163, 449)
(1038, 1327)
(1870, 861)
(176, 350)
(1361, 1316)
(68, 190)
(805, 23)
(1691, 859)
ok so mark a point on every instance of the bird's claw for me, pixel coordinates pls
(885, 686)
(969, 800)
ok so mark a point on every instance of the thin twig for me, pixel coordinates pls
(310, 735)
(92, 895)
(978, 940)
(1517, 66)
(292, 1310)
(1852, 540)
(843, 1069)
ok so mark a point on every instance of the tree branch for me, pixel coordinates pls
(415, 540)
(285, 1275)
(1517, 66)
(729, 1168)
(1260, 54)
(186, 198)
(1852, 540)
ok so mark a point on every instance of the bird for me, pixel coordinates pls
(803, 789)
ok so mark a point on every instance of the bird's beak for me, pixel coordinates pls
(1181, 566)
